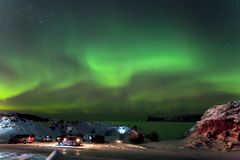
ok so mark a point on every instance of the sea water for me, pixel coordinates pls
(165, 130)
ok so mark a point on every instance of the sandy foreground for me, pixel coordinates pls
(117, 151)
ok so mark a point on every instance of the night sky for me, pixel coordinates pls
(118, 59)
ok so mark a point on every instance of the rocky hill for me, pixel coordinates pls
(219, 128)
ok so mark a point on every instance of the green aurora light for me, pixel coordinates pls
(108, 59)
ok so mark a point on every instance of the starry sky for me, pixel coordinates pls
(118, 59)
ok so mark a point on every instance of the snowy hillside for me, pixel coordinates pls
(15, 123)
(11, 125)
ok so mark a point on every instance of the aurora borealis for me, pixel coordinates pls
(117, 59)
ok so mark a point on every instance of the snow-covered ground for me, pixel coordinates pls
(54, 145)
(21, 156)
(165, 150)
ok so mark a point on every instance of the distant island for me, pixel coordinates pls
(180, 118)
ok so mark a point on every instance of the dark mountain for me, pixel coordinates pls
(180, 118)
(23, 116)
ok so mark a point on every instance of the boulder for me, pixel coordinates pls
(136, 137)
(219, 125)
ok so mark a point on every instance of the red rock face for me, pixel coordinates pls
(215, 126)
(221, 122)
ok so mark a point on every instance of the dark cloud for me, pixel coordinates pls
(7, 73)
(66, 62)
(89, 101)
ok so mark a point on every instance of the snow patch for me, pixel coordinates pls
(18, 156)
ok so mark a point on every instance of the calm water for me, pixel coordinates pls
(166, 130)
